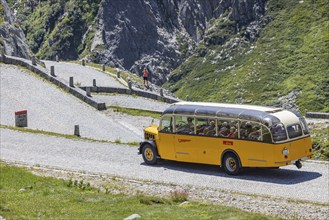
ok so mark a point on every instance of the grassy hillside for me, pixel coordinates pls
(26, 196)
(291, 54)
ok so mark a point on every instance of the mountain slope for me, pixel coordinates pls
(56, 27)
(289, 61)
(12, 39)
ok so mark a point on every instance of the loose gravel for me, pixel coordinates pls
(259, 190)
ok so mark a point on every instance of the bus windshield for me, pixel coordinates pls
(304, 125)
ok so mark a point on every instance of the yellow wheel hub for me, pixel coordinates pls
(232, 164)
(149, 154)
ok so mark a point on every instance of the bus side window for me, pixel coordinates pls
(206, 126)
(166, 124)
(184, 125)
(267, 138)
(251, 131)
(201, 124)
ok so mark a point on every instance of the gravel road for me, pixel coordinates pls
(51, 109)
(82, 75)
(309, 183)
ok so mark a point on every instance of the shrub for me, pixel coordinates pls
(179, 196)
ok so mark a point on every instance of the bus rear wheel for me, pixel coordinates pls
(231, 164)
(149, 154)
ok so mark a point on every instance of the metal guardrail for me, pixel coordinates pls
(322, 115)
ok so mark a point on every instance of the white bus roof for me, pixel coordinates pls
(227, 105)
(270, 115)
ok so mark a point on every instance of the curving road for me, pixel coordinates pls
(51, 109)
(83, 75)
(309, 183)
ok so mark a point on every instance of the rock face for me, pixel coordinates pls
(12, 37)
(134, 34)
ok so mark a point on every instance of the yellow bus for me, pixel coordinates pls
(230, 135)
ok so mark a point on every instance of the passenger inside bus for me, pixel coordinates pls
(187, 128)
(223, 130)
(255, 133)
(233, 133)
(210, 129)
(245, 130)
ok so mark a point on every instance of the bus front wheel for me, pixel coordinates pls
(231, 164)
(149, 154)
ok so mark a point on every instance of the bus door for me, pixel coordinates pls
(166, 137)
(185, 147)
(184, 137)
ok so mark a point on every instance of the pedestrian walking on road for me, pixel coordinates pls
(145, 77)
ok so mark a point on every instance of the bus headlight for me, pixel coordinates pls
(285, 151)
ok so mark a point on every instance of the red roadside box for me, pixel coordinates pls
(21, 118)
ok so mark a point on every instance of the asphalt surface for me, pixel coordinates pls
(82, 75)
(129, 101)
(309, 183)
(51, 109)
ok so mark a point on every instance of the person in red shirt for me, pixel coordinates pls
(145, 77)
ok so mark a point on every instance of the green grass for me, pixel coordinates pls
(320, 138)
(68, 136)
(136, 112)
(290, 54)
(2, 14)
(47, 197)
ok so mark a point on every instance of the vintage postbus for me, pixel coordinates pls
(230, 135)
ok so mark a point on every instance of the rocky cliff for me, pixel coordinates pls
(12, 38)
(161, 34)
(130, 34)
